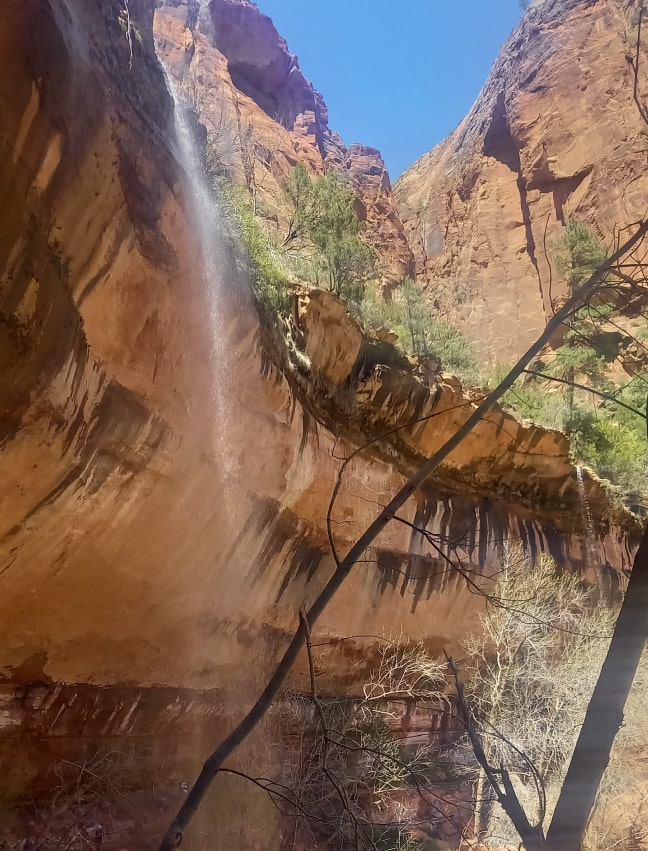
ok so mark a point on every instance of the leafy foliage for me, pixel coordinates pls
(349, 265)
(609, 438)
(324, 218)
(304, 203)
(578, 253)
(412, 318)
(269, 277)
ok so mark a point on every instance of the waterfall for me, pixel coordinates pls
(206, 218)
(590, 536)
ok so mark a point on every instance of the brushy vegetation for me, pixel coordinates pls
(605, 435)
(608, 438)
(269, 275)
(532, 674)
(324, 227)
(323, 246)
(420, 331)
(357, 782)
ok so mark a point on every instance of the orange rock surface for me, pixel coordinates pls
(262, 116)
(558, 130)
(165, 466)
(142, 521)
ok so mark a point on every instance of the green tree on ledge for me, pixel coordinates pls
(578, 254)
(324, 217)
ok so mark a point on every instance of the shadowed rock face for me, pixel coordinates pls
(260, 64)
(558, 131)
(149, 543)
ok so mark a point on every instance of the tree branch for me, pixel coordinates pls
(174, 835)
(532, 837)
(604, 713)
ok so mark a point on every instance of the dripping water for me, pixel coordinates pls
(590, 536)
(206, 219)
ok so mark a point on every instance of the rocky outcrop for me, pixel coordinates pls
(558, 131)
(365, 389)
(263, 117)
(370, 179)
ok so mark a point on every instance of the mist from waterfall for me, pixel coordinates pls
(206, 217)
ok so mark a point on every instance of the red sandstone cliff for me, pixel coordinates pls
(263, 117)
(151, 546)
(559, 130)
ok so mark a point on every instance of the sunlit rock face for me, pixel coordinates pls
(261, 67)
(162, 511)
(128, 531)
(558, 131)
(263, 116)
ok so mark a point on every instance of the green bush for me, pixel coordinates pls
(607, 437)
(453, 349)
(269, 277)
(412, 318)
(324, 223)
(349, 265)
(578, 253)
(373, 312)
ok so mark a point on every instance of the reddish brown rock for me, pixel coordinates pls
(165, 471)
(556, 132)
(263, 117)
(370, 179)
(121, 557)
(261, 67)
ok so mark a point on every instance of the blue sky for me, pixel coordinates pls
(396, 75)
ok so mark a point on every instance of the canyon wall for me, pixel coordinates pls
(165, 472)
(558, 131)
(263, 117)
(133, 510)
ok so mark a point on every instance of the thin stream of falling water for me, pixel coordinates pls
(590, 536)
(205, 216)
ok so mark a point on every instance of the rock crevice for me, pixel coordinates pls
(555, 133)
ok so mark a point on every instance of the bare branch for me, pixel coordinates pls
(214, 762)
(532, 837)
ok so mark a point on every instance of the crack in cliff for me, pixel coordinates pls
(500, 145)
(530, 239)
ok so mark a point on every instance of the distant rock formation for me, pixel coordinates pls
(558, 130)
(263, 116)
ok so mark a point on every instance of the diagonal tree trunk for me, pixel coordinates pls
(228, 746)
(604, 714)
